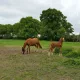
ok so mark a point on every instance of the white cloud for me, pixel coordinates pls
(71, 9)
(67, 3)
(9, 12)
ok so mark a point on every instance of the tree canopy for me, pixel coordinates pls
(27, 27)
(52, 25)
(55, 24)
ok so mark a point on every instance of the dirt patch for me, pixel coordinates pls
(10, 49)
(13, 49)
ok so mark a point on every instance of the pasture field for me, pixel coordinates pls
(38, 65)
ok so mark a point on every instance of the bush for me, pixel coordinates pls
(71, 62)
(66, 51)
(7, 36)
(73, 54)
(57, 50)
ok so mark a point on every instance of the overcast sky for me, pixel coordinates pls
(11, 11)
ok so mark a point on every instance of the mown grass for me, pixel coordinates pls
(4, 42)
(40, 66)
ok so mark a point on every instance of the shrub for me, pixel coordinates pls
(73, 54)
(65, 51)
(71, 62)
(57, 50)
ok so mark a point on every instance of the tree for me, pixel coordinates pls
(9, 31)
(29, 27)
(2, 29)
(54, 24)
(5, 31)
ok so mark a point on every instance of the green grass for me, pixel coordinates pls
(14, 42)
(39, 66)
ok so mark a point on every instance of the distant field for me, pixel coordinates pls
(4, 42)
(45, 44)
(38, 65)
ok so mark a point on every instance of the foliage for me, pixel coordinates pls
(73, 54)
(67, 50)
(73, 38)
(57, 50)
(52, 26)
(27, 27)
(55, 24)
(5, 31)
(71, 62)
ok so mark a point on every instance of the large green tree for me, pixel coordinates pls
(54, 24)
(5, 31)
(29, 27)
(2, 29)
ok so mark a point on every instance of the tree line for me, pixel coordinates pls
(52, 25)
